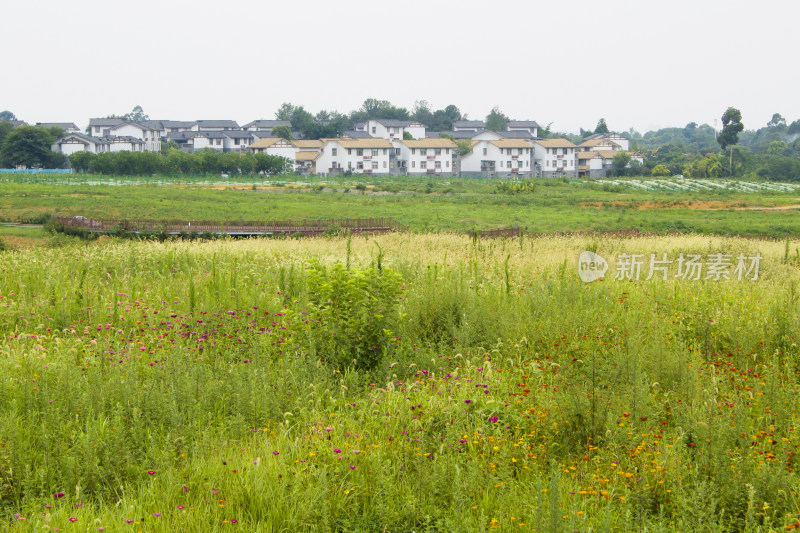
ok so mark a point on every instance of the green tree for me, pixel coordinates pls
(285, 111)
(776, 120)
(7, 115)
(464, 147)
(136, 115)
(28, 146)
(620, 163)
(283, 131)
(601, 127)
(407, 136)
(731, 128)
(496, 120)
(794, 127)
(5, 129)
(82, 161)
(777, 147)
(661, 170)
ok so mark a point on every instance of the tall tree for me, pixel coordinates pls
(5, 128)
(7, 115)
(776, 120)
(602, 127)
(731, 128)
(136, 115)
(496, 120)
(285, 111)
(28, 146)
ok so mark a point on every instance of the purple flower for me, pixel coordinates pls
(352, 467)
(493, 419)
(467, 401)
(151, 472)
(156, 514)
(276, 452)
(58, 495)
(337, 450)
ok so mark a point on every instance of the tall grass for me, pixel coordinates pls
(201, 387)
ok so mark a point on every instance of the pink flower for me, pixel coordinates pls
(276, 452)
(151, 472)
(72, 519)
(352, 467)
(337, 450)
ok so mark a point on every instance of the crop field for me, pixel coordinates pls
(543, 206)
(404, 382)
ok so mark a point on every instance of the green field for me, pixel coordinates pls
(455, 205)
(398, 383)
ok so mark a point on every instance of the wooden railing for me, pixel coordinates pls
(230, 227)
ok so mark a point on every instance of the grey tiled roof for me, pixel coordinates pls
(522, 124)
(62, 125)
(469, 124)
(101, 122)
(266, 124)
(217, 124)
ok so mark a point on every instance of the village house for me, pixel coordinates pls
(598, 144)
(469, 125)
(531, 127)
(555, 157)
(101, 127)
(360, 156)
(623, 142)
(498, 158)
(392, 129)
(75, 142)
(425, 156)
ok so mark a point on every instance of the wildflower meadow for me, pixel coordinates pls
(404, 382)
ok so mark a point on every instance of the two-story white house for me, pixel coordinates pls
(304, 153)
(361, 156)
(75, 142)
(498, 157)
(555, 157)
(425, 156)
(392, 129)
(101, 127)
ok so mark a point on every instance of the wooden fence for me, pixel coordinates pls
(236, 228)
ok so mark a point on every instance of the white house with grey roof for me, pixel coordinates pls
(469, 125)
(392, 129)
(149, 136)
(529, 126)
(101, 127)
(498, 158)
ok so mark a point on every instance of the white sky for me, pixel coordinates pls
(638, 63)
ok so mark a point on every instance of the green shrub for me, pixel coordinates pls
(354, 313)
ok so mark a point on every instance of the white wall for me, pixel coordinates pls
(69, 148)
(425, 160)
(555, 159)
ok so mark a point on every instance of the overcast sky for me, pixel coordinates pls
(639, 63)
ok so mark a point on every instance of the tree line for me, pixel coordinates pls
(174, 161)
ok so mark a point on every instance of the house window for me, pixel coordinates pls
(360, 152)
(413, 164)
(375, 165)
(373, 129)
(447, 150)
(438, 164)
(423, 151)
(447, 163)
(438, 151)
(374, 151)
(349, 151)
(413, 151)
(484, 151)
(360, 165)
(384, 164)
(333, 152)
(423, 164)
